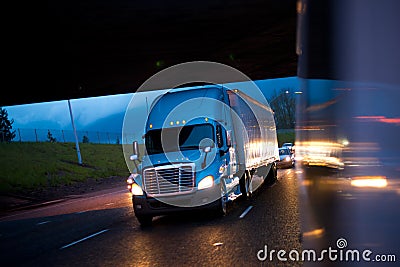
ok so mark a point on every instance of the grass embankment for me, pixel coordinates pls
(286, 137)
(33, 165)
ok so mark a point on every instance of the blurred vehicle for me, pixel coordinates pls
(286, 158)
(321, 154)
(289, 145)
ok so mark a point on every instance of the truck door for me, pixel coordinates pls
(227, 153)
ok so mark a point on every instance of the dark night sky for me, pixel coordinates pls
(69, 49)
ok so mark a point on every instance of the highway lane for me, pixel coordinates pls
(101, 230)
(26, 234)
(350, 214)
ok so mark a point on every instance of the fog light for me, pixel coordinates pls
(129, 180)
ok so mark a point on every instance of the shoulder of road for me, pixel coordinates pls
(11, 202)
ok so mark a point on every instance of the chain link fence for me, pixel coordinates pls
(94, 137)
(65, 136)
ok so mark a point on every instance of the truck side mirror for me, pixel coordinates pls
(135, 154)
(206, 142)
(219, 136)
(229, 138)
(207, 149)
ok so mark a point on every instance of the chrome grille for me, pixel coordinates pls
(169, 179)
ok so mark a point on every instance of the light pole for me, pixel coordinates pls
(78, 151)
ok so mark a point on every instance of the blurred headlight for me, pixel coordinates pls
(206, 182)
(136, 190)
(287, 158)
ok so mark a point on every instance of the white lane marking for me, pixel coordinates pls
(245, 212)
(43, 222)
(109, 204)
(85, 238)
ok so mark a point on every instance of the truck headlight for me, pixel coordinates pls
(136, 190)
(206, 182)
(287, 158)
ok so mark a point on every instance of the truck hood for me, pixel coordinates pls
(187, 156)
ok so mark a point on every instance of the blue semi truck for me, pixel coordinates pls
(203, 147)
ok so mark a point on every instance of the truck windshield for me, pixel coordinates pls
(186, 137)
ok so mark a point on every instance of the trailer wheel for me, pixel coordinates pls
(272, 175)
(144, 220)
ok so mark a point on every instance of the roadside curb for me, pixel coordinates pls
(13, 203)
(36, 205)
(28, 206)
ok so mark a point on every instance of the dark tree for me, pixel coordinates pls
(284, 106)
(85, 139)
(50, 137)
(6, 133)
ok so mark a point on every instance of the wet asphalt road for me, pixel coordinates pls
(101, 230)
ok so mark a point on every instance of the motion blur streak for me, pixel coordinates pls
(347, 121)
(320, 153)
(369, 181)
(379, 119)
(314, 233)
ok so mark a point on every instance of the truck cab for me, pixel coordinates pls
(191, 155)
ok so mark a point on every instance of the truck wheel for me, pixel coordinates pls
(144, 220)
(245, 183)
(221, 203)
(272, 175)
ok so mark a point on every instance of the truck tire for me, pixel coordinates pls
(244, 184)
(144, 220)
(272, 175)
(221, 203)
